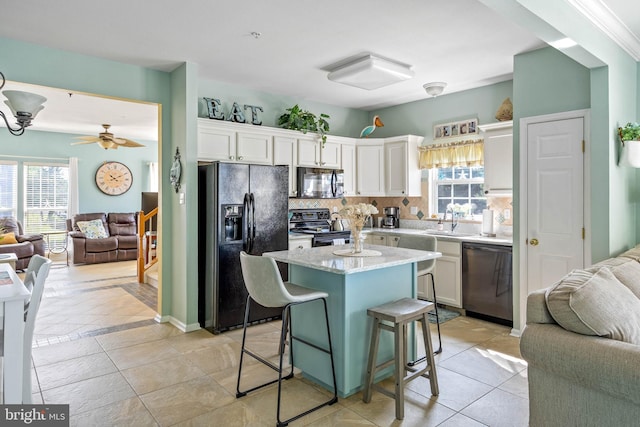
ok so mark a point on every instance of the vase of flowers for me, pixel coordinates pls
(357, 215)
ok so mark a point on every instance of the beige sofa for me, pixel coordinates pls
(587, 371)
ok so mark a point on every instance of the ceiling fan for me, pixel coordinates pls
(106, 140)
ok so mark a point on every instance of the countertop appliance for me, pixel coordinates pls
(487, 290)
(320, 183)
(391, 217)
(316, 222)
(241, 207)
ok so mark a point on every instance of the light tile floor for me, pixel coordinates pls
(98, 349)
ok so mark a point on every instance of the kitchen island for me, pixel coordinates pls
(354, 284)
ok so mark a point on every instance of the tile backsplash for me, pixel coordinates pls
(502, 206)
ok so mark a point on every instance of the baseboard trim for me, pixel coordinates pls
(177, 323)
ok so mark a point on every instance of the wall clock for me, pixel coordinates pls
(114, 178)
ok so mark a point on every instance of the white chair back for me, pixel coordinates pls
(422, 243)
(263, 281)
(38, 275)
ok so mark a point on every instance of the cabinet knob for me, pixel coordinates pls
(230, 157)
(486, 191)
(300, 247)
(323, 163)
(240, 158)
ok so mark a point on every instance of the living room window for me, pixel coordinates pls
(462, 187)
(46, 197)
(8, 188)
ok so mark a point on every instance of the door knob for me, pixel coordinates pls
(534, 242)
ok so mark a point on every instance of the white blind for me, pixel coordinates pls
(46, 197)
(8, 188)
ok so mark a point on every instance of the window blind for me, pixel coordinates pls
(8, 188)
(46, 197)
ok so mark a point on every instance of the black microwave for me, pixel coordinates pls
(320, 183)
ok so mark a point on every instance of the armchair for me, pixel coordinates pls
(27, 245)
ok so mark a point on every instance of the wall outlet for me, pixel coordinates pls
(507, 213)
(335, 209)
(414, 210)
(181, 198)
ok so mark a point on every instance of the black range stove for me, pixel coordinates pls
(316, 222)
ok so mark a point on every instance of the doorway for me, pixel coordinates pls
(554, 199)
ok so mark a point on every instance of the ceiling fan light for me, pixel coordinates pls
(371, 72)
(434, 88)
(24, 102)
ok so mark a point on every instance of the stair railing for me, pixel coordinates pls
(147, 242)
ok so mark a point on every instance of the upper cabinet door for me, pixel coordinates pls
(308, 152)
(402, 175)
(216, 144)
(330, 154)
(254, 148)
(285, 152)
(498, 158)
(370, 168)
(348, 165)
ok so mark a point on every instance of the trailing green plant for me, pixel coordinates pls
(630, 132)
(304, 121)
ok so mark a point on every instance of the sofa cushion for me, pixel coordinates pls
(92, 229)
(626, 270)
(108, 244)
(122, 224)
(8, 238)
(595, 303)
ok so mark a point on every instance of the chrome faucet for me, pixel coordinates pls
(454, 219)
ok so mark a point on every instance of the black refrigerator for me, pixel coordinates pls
(240, 207)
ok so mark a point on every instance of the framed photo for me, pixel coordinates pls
(455, 129)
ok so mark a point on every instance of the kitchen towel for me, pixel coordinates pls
(487, 222)
(337, 242)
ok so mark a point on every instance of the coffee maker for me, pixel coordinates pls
(391, 217)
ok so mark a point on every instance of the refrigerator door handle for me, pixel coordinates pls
(246, 223)
(253, 221)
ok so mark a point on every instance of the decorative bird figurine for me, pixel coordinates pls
(369, 129)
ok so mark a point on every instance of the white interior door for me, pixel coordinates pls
(554, 219)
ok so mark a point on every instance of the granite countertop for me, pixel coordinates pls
(455, 237)
(323, 258)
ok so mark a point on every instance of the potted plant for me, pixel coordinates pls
(630, 138)
(304, 121)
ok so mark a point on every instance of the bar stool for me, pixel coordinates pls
(425, 243)
(400, 313)
(265, 286)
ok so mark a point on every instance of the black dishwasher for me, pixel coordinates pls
(487, 287)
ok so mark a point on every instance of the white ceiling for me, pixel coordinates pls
(461, 42)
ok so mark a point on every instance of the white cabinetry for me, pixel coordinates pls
(311, 153)
(348, 165)
(370, 168)
(232, 143)
(285, 152)
(300, 242)
(448, 275)
(498, 158)
(376, 239)
(402, 175)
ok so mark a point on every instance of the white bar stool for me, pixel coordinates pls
(400, 313)
(265, 286)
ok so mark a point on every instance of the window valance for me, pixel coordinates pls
(461, 153)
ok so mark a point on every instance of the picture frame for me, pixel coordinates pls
(456, 129)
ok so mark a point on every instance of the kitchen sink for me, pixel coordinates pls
(449, 233)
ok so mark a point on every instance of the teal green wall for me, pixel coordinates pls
(342, 121)
(418, 117)
(545, 81)
(33, 146)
